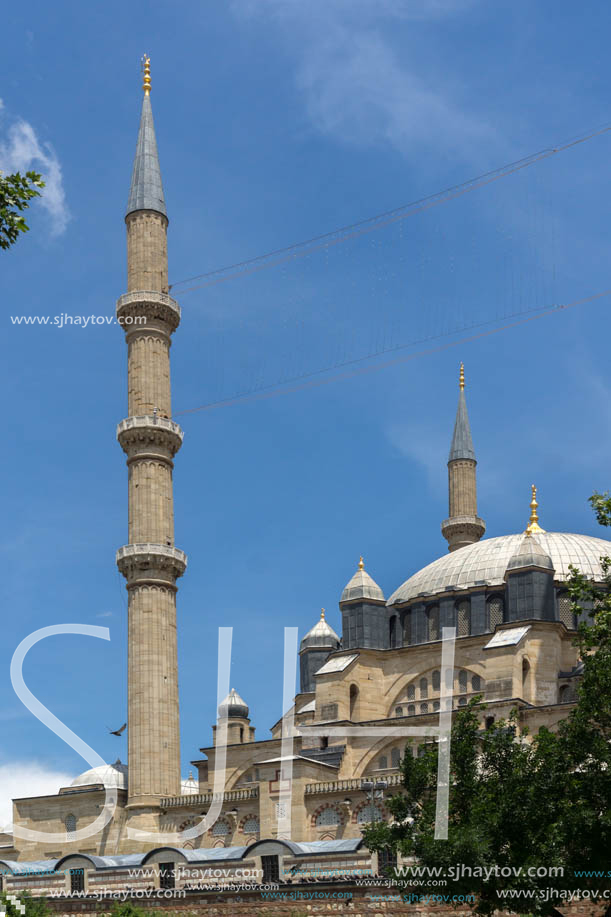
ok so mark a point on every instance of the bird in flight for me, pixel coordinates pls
(117, 732)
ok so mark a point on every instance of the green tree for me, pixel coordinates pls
(34, 907)
(16, 192)
(520, 807)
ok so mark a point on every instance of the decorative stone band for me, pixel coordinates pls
(149, 430)
(204, 799)
(137, 560)
(354, 783)
(149, 305)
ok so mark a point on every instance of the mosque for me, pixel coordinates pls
(299, 810)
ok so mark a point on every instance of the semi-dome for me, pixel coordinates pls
(233, 705)
(485, 563)
(362, 586)
(110, 775)
(322, 634)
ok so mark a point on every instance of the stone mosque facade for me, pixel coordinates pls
(505, 596)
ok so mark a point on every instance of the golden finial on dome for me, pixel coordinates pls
(533, 526)
(146, 70)
(461, 377)
(361, 563)
(322, 614)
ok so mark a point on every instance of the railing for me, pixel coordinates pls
(204, 799)
(353, 783)
(130, 550)
(146, 420)
(151, 296)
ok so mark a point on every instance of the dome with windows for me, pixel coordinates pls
(485, 564)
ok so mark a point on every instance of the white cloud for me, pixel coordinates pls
(355, 84)
(105, 614)
(22, 151)
(26, 778)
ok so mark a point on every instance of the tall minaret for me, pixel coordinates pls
(150, 563)
(463, 526)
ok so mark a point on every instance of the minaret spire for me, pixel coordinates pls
(150, 561)
(463, 526)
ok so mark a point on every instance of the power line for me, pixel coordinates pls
(380, 220)
(269, 391)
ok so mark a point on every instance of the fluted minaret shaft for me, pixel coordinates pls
(150, 562)
(463, 526)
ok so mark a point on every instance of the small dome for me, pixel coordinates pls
(362, 586)
(530, 554)
(322, 634)
(111, 775)
(190, 786)
(233, 705)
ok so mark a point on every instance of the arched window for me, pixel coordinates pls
(489, 722)
(424, 687)
(411, 692)
(368, 814)
(436, 680)
(220, 828)
(462, 680)
(395, 757)
(251, 825)
(424, 708)
(411, 709)
(525, 677)
(70, 823)
(476, 683)
(432, 615)
(398, 711)
(328, 816)
(463, 618)
(392, 632)
(565, 610)
(436, 706)
(496, 611)
(462, 701)
(383, 763)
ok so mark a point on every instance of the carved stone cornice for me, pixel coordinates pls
(148, 436)
(460, 531)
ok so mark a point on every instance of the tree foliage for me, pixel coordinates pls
(520, 807)
(16, 192)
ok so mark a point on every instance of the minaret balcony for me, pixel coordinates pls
(135, 310)
(149, 430)
(136, 559)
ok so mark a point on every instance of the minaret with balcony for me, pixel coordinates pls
(150, 562)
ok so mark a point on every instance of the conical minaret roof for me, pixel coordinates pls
(462, 443)
(146, 191)
(362, 586)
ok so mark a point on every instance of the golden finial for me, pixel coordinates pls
(146, 70)
(322, 614)
(461, 377)
(533, 526)
(361, 563)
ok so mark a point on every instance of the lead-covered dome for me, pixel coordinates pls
(362, 586)
(485, 563)
(110, 775)
(322, 635)
(233, 705)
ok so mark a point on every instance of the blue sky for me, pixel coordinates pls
(277, 120)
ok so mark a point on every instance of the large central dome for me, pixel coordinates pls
(485, 562)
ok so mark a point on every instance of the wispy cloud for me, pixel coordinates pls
(355, 85)
(21, 151)
(105, 614)
(26, 778)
